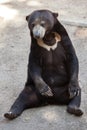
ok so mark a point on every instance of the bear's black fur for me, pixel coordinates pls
(52, 69)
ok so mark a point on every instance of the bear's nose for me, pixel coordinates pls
(38, 31)
(37, 34)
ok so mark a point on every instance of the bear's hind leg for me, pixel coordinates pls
(27, 99)
(74, 105)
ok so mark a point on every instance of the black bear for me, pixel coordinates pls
(52, 68)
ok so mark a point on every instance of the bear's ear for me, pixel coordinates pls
(55, 15)
(27, 17)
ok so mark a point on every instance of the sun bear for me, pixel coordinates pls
(52, 68)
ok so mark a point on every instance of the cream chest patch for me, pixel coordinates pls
(48, 48)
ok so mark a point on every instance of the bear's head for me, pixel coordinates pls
(41, 22)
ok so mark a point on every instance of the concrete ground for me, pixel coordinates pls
(14, 51)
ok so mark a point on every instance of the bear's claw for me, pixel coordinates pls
(74, 91)
(47, 92)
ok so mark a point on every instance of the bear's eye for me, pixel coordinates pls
(32, 25)
(42, 23)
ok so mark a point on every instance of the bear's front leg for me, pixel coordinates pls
(35, 72)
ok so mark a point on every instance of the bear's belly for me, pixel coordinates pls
(55, 77)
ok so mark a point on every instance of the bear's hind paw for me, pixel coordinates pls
(10, 115)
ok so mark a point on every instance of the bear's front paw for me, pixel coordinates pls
(46, 91)
(73, 91)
